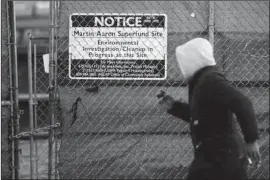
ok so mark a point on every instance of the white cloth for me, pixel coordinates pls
(194, 55)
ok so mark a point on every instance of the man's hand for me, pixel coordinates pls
(252, 151)
(165, 100)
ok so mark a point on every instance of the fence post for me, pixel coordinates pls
(31, 103)
(14, 89)
(35, 107)
(51, 89)
(56, 9)
(211, 24)
(11, 144)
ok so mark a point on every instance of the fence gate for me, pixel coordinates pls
(31, 154)
(107, 62)
(41, 145)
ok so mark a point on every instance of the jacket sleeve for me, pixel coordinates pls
(239, 104)
(180, 110)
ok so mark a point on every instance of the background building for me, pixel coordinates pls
(31, 16)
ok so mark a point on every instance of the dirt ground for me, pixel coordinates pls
(132, 156)
(126, 134)
(165, 157)
(40, 161)
(113, 134)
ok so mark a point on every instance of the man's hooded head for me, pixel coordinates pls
(194, 55)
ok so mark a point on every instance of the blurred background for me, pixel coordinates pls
(32, 16)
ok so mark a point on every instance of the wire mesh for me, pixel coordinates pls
(6, 125)
(42, 88)
(40, 152)
(116, 129)
(242, 47)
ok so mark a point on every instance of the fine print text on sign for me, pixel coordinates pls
(118, 46)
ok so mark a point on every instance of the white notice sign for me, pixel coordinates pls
(118, 46)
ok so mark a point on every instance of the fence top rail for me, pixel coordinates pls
(43, 38)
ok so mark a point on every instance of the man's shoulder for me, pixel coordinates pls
(214, 75)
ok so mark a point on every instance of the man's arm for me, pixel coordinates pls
(180, 110)
(239, 104)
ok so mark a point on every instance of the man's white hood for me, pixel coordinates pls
(194, 55)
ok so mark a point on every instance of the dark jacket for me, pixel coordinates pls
(212, 102)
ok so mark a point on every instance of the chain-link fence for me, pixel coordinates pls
(5, 84)
(115, 128)
(41, 83)
(22, 158)
(8, 148)
(35, 142)
(242, 47)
